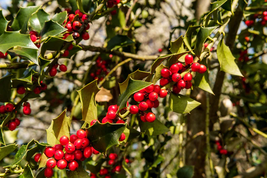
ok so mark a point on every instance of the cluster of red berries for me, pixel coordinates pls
(173, 74)
(35, 38)
(37, 90)
(112, 3)
(243, 56)
(101, 70)
(53, 71)
(9, 107)
(220, 149)
(2, 55)
(26, 108)
(262, 18)
(67, 153)
(147, 99)
(13, 124)
(74, 23)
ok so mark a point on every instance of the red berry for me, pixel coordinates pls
(76, 35)
(64, 140)
(81, 133)
(33, 38)
(49, 151)
(111, 115)
(264, 13)
(21, 90)
(78, 154)
(95, 151)
(112, 156)
(223, 152)
(33, 33)
(143, 118)
(73, 138)
(149, 103)
(181, 84)
(12, 125)
(87, 27)
(62, 164)
(188, 84)
(53, 72)
(71, 17)
(176, 77)
(113, 108)
(43, 86)
(17, 121)
(103, 171)
(79, 13)
(153, 96)
(58, 147)
(78, 143)
(187, 77)
(59, 154)
(2, 109)
(118, 168)
(164, 81)
(155, 104)
(27, 110)
(122, 137)
(87, 152)
(149, 89)
(69, 157)
(51, 163)
(134, 109)
(202, 68)
(150, 117)
(111, 162)
(85, 142)
(37, 157)
(85, 36)
(157, 89)
(195, 67)
(26, 104)
(76, 25)
(69, 148)
(93, 122)
(66, 35)
(63, 68)
(84, 17)
(176, 89)
(165, 73)
(73, 165)
(65, 54)
(188, 59)
(105, 120)
(174, 68)
(138, 97)
(163, 93)
(143, 106)
(48, 172)
(69, 26)
(9, 107)
(37, 90)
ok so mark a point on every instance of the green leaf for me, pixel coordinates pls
(60, 126)
(5, 89)
(177, 45)
(227, 60)
(185, 172)
(51, 28)
(118, 19)
(104, 136)
(119, 41)
(136, 75)
(38, 19)
(20, 154)
(6, 150)
(63, 3)
(182, 104)
(153, 129)
(94, 166)
(216, 5)
(12, 39)
(188, 36)
(133, 86)
(78, 173)
(31, 54)
(80, 5)
(21, 20)
(27, 173)
(2, 139)
(52, 44)
(176, 57)
(87, 97)
(60, 17)
(157, 161)
(201, 38)
(202, 81)
(3, 23)
(126, 168)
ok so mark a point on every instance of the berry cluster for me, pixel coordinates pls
(13, 124)
(9, 107)
(101, 69)
(112, 3)
(53, 71)
(219, 148)
(173, 74)
(35, 38)
(243, 56)
(147, 98)
(37, 90)
(67, 153)
(262, 18)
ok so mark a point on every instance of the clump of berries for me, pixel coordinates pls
(261, 18)
(61, 67)
(35, 38)
(173, 74)
(67, 154)
(112, 3)
(7, 108)
(101, 70)
(220, 149)
(243, 56)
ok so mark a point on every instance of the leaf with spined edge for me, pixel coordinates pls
(31, 54)
(133, 86)
(227, 60)
(104, 136)
(182, 104)
(202, 81)
(153, 129)
(188, 36)
(5, 89)
(202, 35)
(59, 126)
(12, 39)
(119, 41)
(6, 150)
(87, 96)
(38, 19)
(60, 17)
(21, 20)
(177, 45)
(3, 23)
(51, 28)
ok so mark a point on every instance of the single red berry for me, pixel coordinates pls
(264, 13)
(163, 93)
(188, 84)
(176, 77)
(150, 117)
(63, 68)
(138, 97)
(180, 65)
(37, 157)
(111, 115)
(21, 90)
(120, 121)
(17, 121)
(108, 176)
(27, 110)
(49, 152)
(118, 168)
(188, 59)
(223, 152)
(76, 25)
(87, 26)
(78, 155)
(76, 35)
(64, 140)
(143, 117)
(160, 50)
(69, 26)
(195, 67)
(156, 104)
(176, 89)
(134, 109)
(157, 89)
(85, 142)
(105, 120)
(33, 38)
(58, 147)
(122, 137)
(206, 45)
(65, 54)
(37, 90)
(43, 86)
(93, 122)
(48, 172)
(2, 109)
(181, 84)
(202, 68)
(87, 152)
(12, 125)
(164, 81)
(112, 156)
(33, 33)
(149, 103)
(247, 39)
(95, 151)
(70, 47)
(187, 77)
(153, 96)
(53, 71)
(9, 107)
(71, 17)
(143, 106)
(150, 88)
(84, 17)
(73, 165)
(62, 164)
(69, 157)
(111, 162)
(69, 148)
(165, 73)
(113, 108)
(73, 138)
(59, 154)
(80, 14)
(219, 147)
(78, 143)
(51, 163)
(85, 36)
(174, 68)
(103, 171)
(81, 133)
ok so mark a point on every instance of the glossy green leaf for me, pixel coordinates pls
(20, 154)
(202, 81)
(185, 172)
(182, 104)
(177, 45)
(133, 86)
(52, 44)
(227, 60)
(188, 36)
(80, 172)
(153, 129)
(60, 126)
(31, 54)
(104, 136)
(94, 166)
(3, 23)
(51, 28)
(216, 5)
(136, 75)
(21, 20)
(119, 41)
(118, 19)
(27, 173)
(87, 96)
(202, 35)
(38, 19)
(6, 150)
(73, 4)
(63, 3)
(5, 89)
(12, 39)
(60, 17)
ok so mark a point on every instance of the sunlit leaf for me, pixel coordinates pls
(182, 104)
(6, 150)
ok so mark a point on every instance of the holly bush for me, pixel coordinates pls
(112, 99)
